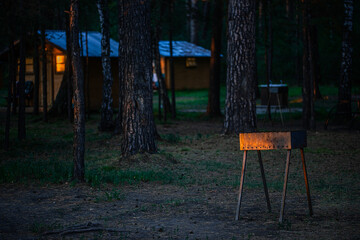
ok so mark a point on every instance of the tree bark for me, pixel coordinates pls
(213, 108)
(121, 32)
(44, 74)
(171, 60)
(346, 61)
(308, 81)
(12, 78)
(21, 83)
(240, 108)
(316, 62)
(206, 18)
(163, 96)
(69, 88)
(106, 121)
(79, 106)
(268, 52)
(193, 22)
(137, 116)
(298, 37)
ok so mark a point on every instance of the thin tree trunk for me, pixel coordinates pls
(121, 32)
(87, 81)
(14, 97)
(69, 88)
(307, 90)
(261, 18)
(206, 18)
(106, 121)
(171, 59)
(346, 61)
(44, 74)
(213, 108)
(79, 106)
(162, 84)
(36, 72)
(138, 122)
(193, 22)
(316, 62)
(311, 79)
(21, 87)
(163, 96)
(240, 108)
(12, 78)
(268, 53)
(298, 36)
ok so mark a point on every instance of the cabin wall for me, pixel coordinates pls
(188, 77)
(94, 87)
(53, 78)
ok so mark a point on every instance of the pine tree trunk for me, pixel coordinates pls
(346, 61)
(12, 78)
(171, 60)
(213, 108)
(79, 106)
(44, 74)
(193, 22)
(206, 18)
(121, 31)
(308, 83)
(36, 72)
(86, 78)
(316, 61)
(138, 122)
(268, 52)
(163, 95)
(240, 108)
(68, 71)
(106, 121)
(298, 37)
(21, 84)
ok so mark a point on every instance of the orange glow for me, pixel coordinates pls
(60, 63)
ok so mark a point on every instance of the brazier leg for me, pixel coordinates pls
(241, 186)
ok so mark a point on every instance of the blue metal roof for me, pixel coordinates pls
(180, 48)
(94, 42)
(183, 49)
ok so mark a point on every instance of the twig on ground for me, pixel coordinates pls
(89, 227)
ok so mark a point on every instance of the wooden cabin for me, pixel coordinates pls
(191, 66)
(56, 58)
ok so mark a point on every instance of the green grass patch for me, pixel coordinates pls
(52, 170)
(171, 138)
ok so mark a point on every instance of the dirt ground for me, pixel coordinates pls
(201, 203)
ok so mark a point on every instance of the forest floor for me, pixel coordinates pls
(187, 191)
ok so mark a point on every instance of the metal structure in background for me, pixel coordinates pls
(278, 97)
(259, 141)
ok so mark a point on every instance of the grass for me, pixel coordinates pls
(46, 155)
(192, 104)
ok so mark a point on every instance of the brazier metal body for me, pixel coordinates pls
(259, 141)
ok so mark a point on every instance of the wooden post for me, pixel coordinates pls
(264, 181)
(306, 181)
(241, 186)
(285, 185)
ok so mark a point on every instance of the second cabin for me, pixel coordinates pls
(191, 66)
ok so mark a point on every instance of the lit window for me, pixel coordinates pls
(190, 62)
(29, 67)
(60, 63)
